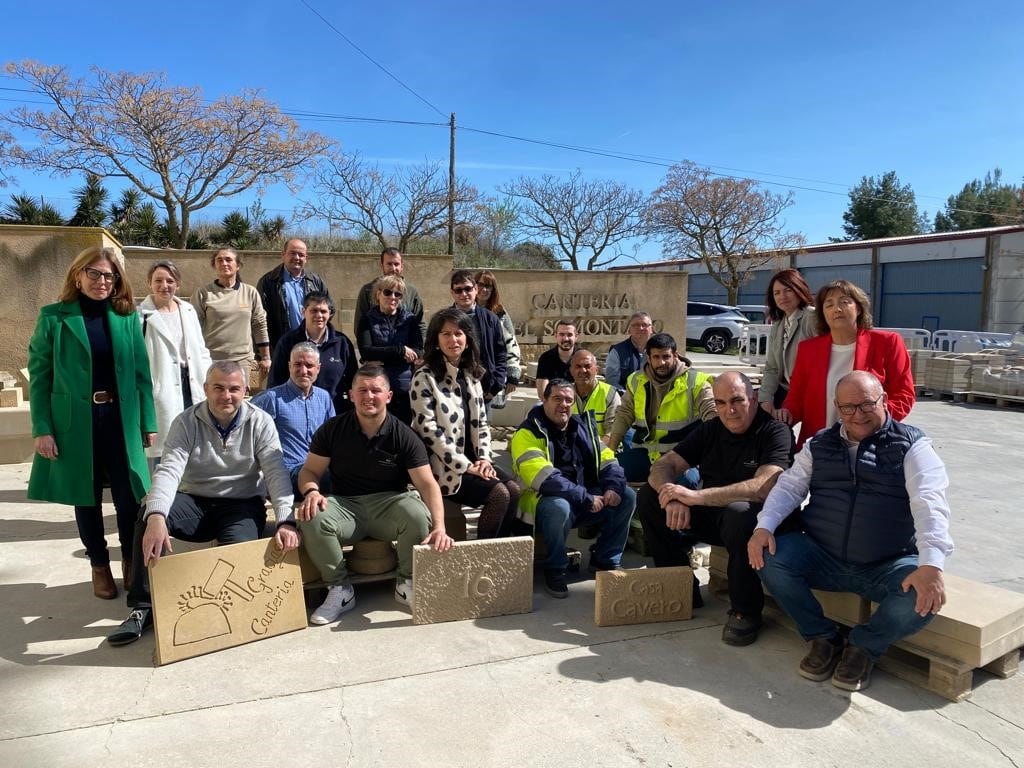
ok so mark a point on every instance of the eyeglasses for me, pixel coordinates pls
(96, 275)
(488, 286)
(866, 407)
(389, 293)
(463, 289)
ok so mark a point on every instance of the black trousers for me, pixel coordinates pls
(730, 526)
(109, 465)
(199, 519)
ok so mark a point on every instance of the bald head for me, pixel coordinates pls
(861, 403)
(864, 380)
(733, 379)
(734, 401)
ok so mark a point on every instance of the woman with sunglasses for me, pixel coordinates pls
(390, 334)
(487, 297)
(178, 357)
(92, 406)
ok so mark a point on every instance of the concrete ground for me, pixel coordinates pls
(544, 689)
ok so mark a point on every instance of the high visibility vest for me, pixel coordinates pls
(678, 409)
(533, 463)
(598, 403)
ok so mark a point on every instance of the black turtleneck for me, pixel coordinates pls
(97, 327)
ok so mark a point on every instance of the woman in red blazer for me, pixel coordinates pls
(848, 344)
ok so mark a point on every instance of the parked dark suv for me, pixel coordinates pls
(716, 327)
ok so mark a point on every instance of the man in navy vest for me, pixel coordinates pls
(629, 355)
(877, 524)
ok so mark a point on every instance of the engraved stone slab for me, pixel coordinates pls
(643, 596)
(211, 599)
(473, 580)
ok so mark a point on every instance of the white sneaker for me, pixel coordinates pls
(340, 599)
(403, 591)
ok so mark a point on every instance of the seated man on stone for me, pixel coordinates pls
(298, 409)
(221, 458)
(598, 397)
(570, 478)
(876, 524)
(372, 457)
(740, 455)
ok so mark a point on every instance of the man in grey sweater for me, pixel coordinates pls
(221, 459)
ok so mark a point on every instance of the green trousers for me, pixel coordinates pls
(401, 517)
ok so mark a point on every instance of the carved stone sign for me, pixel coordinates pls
(211, 599)
(473, 580)
(643, 596)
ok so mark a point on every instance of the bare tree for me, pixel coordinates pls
(396, 208)
(175, 148)
(731, 225)
(584, 220)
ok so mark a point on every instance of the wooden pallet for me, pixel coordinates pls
(1002, 401)
(956, 395)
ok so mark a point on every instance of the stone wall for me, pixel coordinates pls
(33, 261)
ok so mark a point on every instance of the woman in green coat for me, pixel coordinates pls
(92, 406)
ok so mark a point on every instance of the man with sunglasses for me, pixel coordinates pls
(493, 353)
(876, 524)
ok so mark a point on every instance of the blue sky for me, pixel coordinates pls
(811, 96)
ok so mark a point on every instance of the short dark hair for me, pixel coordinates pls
(558, 384)
(855, 292)
(461, 276)
(316, 297)
(371, 371)
(660, 341)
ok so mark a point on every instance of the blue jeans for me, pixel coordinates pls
(800, 565)
(555, 519)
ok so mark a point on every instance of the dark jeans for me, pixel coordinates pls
(730, 526)
(109, 464)
(199, 519)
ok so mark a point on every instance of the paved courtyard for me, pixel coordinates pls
(545, 689)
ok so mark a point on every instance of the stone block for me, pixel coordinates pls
(643, 596)
(473, 580)
(220, 597)
(11, 398)
(371, 557)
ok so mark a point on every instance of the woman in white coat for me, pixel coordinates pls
(178, 357)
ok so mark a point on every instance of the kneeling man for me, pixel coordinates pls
(372, 457)
(877, 524)
(740, 455)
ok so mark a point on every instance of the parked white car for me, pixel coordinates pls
(716, 327)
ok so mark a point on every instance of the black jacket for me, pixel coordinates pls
(337, 364)
(271, 290)
(493, 354)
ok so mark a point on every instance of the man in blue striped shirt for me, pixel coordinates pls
(298, 408)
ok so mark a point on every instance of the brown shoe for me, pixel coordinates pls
(821, 659)
(126, 573)
(854, 670)
(103, 585)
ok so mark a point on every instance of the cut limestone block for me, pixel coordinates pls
(978, 625)
(216, 598)
(371, 557)
(11, 398)
(643, 596)
(473, 580)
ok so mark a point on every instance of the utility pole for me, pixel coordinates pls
(451, 188)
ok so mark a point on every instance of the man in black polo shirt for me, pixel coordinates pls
(372, 458)
(554, 362)
(740, 454)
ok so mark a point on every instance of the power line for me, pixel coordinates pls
(369, 58)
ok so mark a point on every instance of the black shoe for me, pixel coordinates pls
(853, 673)
(740, 629)
(821, 659)
(131, 629)
(555, 585)
(595, 564)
